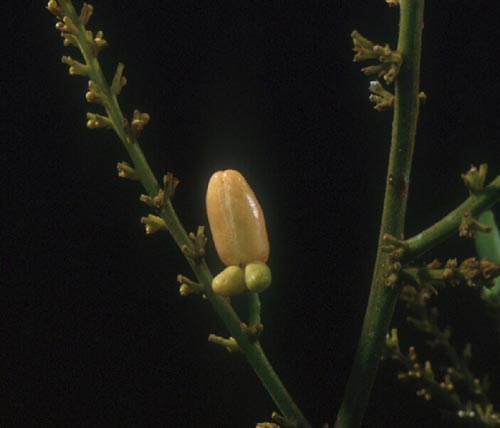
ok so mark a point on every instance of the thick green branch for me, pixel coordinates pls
(382, 299)
(448, 225)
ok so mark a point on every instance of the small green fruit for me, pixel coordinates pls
(257, 276)
(230, 282)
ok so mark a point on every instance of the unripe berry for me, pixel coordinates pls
(230, 282)
(257, 276)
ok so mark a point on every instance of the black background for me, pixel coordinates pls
(93, 332)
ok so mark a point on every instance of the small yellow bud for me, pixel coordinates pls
(153, 223)
(69, 26)
(257, 276)
(230, 282)
(91, 97)
(54, 8)
(236, 219)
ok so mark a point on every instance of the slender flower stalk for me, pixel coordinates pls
(382, 298)
(72, 26)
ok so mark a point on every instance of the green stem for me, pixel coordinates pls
(253, 302)
(253, 353)
(252, 350)
(382, 299)
(448, 225)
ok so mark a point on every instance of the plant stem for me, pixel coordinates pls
(382, 299)
(253, 302)
(253, 353)
(251, 349)
(448, 225)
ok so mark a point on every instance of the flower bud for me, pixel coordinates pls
(230, 282)
(257, 276)
(236, 219)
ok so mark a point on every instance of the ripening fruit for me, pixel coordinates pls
(230, 282)
(257, 276)
(236, 219)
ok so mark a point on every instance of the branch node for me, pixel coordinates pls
(253, 332)
(475, 178)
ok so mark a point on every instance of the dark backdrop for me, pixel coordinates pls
(93, 332)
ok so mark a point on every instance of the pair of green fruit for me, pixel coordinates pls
(233, 280)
